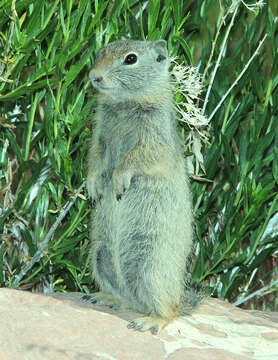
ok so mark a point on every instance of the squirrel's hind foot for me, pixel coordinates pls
(101, 298)
(153, 323)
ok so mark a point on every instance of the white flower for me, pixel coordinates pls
(188, 84)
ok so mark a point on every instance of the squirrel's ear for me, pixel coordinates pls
(161, 48)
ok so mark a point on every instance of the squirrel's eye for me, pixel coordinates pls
(130, 59)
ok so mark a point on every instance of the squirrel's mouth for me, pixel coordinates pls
(102, 87)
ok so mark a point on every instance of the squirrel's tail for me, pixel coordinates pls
(194, 294)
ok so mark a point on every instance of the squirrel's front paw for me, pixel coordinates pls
(95, 187)
(121, 182)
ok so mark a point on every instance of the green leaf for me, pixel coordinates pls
(153, 15)
(29, 241)
(75, 69)
(185, 47)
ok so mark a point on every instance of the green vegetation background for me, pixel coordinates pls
(46, 106)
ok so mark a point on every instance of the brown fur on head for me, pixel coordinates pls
(120, 79)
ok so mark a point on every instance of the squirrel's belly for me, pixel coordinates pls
(144, 192)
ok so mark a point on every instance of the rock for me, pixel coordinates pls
(34, 326)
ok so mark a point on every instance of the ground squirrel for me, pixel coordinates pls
(142, 225)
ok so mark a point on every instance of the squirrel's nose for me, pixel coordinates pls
(98, 78)
(94, 77)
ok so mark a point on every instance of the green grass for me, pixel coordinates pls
(46, 105)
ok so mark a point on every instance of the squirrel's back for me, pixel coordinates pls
(142, 226)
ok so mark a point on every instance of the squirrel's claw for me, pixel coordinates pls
(121, 182)
(95, 188)
(96, 200)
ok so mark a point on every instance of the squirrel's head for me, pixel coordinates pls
(130, 69)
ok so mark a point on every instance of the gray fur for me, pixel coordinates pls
(142, 225)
